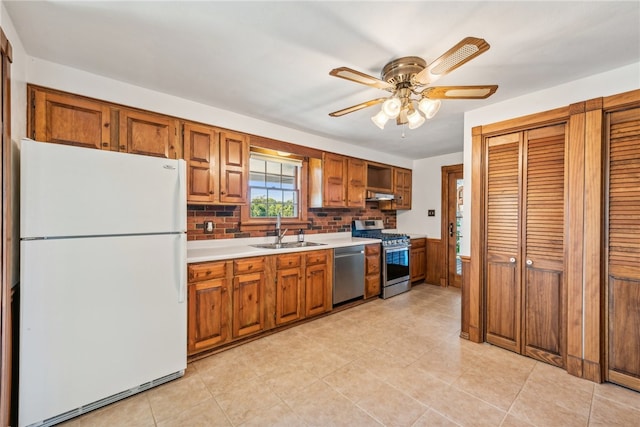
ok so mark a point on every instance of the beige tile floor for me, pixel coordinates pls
(395, 362)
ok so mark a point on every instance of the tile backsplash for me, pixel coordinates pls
(226, 221)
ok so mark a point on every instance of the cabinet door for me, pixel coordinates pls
(334, 170)
(418, 260)
(356, 183)
(502, 241)
(288, 295)
(148, 134)
(623, 257)
(543, 242)
(317, 290)
(70, 120)
(208, 314)
(234, 166)
(402, 180)
(248, 292)
(201, 155)
(372, 262)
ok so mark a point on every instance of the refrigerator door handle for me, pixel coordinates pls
(182, 195)
(182, 268)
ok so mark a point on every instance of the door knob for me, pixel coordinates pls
(450, 229)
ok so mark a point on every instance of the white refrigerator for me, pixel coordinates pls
(102, 278)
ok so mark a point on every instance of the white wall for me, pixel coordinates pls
(73, 80)
(615, 81)
(426, 194)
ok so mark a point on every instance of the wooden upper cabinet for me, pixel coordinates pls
(148, 134)
(234, 167)
(356, 183)
(202, 156)
(217, 164)
(334, 174)
(70, 120)
(402, 185)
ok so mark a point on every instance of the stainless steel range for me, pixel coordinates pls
(395, 255)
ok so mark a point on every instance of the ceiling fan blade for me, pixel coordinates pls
(358, 77)
(459, 92)
(357, 107)
(467, 49)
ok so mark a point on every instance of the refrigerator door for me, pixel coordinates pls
(111, 319)
(72, 191)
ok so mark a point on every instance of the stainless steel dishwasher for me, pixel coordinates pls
(348, 273)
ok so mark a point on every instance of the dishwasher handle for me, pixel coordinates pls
(348, 254)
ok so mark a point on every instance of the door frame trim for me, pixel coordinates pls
(444, 208)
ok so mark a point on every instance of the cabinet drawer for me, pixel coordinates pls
(248, 265)
(286, 261)
(206, 271)
(418, 243)
(317, 257)
(373, 249)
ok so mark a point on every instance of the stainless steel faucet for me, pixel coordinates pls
(279, 235)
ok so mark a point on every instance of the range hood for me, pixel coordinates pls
(373, 196)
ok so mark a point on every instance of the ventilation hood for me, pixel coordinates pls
(373, 196)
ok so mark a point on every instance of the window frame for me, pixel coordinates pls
(248, 223)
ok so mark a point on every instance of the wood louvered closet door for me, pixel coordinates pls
(525, 184)
(623, 248)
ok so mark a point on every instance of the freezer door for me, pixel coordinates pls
(72, 191)
(98, 316)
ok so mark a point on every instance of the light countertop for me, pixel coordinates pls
(222, 249)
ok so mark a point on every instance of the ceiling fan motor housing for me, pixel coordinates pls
(401, 70)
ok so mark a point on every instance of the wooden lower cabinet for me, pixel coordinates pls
(418, 259)
(208, 306)
(234, 299)
(318, 282)
(248, 296)
(288, 288)
(372, 276)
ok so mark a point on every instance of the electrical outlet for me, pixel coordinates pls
(208, 227)
(431, 212)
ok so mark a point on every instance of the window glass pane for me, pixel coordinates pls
(256, 179)
(258, 202)
(273, 181)
(274, 168)
(256, 165)
(288, 169)
(276, 195)
(288, 183)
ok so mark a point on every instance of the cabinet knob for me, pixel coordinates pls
(122, 147)
(512, 260)
(529, 262)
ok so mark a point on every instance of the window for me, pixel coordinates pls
(274, 186)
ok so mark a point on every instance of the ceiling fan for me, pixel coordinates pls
(411, 76)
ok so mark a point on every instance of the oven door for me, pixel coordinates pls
(395, 265)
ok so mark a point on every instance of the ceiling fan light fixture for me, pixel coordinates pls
(429, 107)
(380, 119)
(391, 107)
(415, 119)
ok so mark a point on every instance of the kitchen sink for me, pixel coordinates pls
(286, 245)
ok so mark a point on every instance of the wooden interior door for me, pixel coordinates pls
(502, 282)
(452, 215)
(543, 211)
(623, 248)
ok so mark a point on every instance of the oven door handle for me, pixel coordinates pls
(403, 248)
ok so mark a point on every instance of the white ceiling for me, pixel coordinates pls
(271, 59)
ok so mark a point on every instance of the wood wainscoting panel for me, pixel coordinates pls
(435, 262)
